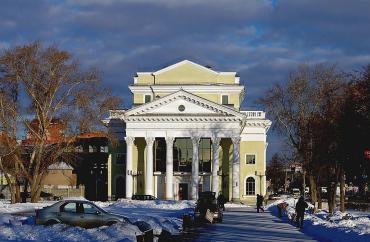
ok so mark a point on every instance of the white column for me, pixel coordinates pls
(149, 166)
(236, 169)
(169, 168)
(129, 178)
(215, 164)
(195, 169)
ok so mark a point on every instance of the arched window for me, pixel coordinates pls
(250, 186)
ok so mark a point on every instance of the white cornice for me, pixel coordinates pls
(188, 88)
(184, 95)
(177, 119)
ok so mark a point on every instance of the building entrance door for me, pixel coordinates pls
(183, 191)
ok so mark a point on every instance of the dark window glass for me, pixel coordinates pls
(89, 209)
(205, 155)
(182, 154)
(250, 186)
(69, 208)
(147, 98)
(225, 99)
(160, 155)
(121, 158)
(250, 159)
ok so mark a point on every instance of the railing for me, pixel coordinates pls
(254, 114)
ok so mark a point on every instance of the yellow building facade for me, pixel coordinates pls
(187, 133)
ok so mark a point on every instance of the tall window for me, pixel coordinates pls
(120, 158)
(250, 159)
(225, 99)
(147, 98)
(182, 154)
(250, 188)
(160, 155)
(205, 155)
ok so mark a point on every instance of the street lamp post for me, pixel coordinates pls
(260, 176)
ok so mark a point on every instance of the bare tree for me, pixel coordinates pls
(47, 84)
(295, 106)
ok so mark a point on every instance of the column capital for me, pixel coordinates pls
(195, 140)
(170, 140)
(216, 140)
(149, 140)
(129, 140)
(236, 140)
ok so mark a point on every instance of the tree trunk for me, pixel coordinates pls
(319, 200)
(331, 196)
(17, 192)
(313, 189)
(342, 190)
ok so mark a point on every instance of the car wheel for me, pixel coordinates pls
(51, 222)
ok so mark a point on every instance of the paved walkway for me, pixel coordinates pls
(244, 224)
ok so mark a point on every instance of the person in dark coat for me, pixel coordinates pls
(259, 203)
(221, 200)
(299, 208)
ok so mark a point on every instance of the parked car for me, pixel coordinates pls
(207, 201)
(86, 214)
(143, 197)
(78, 213)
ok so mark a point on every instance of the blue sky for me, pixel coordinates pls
(261, 40)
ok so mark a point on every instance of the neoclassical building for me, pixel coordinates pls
(187, 133)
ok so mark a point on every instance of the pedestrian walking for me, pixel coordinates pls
(259, 203)
(299, 208)
(221, 200)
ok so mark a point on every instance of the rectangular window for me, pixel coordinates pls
(205, 155)
(104, 149)
(182, 154)
(225, 99)
(120, 158)
(250, 159)
(147, 98)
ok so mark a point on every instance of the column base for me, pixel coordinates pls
(235, 200)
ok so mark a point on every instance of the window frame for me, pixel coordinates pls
(246, 193)
(255, 158)
(228, 99)
(124, 159)
(144, 98)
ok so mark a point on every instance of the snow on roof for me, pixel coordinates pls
(60, 166)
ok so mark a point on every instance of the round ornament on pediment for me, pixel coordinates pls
(181, 108)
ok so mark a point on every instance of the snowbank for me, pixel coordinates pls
(326, 227)
(160, 215)
(236, 205)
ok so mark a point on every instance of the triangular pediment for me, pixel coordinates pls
(182, 103)
(187, 66)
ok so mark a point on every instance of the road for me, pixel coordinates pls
(244, 224)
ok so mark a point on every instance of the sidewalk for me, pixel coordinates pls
(244, 224)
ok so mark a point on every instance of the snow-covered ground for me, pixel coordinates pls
(323, 226)
(161, 215)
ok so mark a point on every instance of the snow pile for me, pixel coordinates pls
(324, 226)
(61, 232)
(236, 205)
(159, 214)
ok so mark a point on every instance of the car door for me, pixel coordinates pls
(92, 216)
(69, 214)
